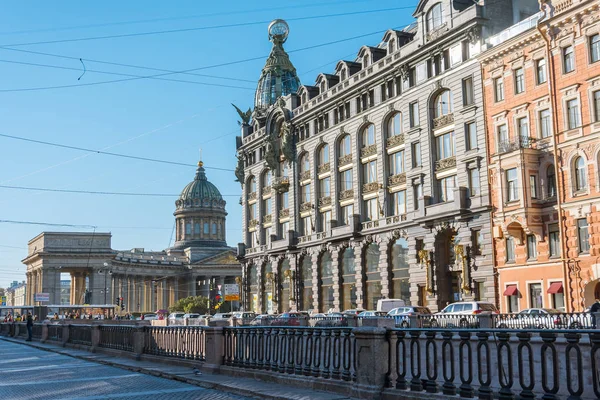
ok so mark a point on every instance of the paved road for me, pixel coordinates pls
(27, 373)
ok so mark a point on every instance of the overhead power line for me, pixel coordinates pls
(262, 57)
(6, 221)
(201, 28)
(39, 189)
(108, 153)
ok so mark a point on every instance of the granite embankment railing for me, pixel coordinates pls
(376, 361)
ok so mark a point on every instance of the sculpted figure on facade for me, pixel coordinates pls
(239, 169)
(270, 155)
(287, 141)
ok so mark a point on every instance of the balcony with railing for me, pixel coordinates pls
(517, 29)
(445, 163)
(281, 184)
(394, 141)
(368, 151)
(443, 121)
(521, 142)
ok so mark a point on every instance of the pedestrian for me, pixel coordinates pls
(595, 307)
(29, 327)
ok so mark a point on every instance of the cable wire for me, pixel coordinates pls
(107, 193)
(109, 153)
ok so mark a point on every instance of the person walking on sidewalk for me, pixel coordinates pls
(29, 326)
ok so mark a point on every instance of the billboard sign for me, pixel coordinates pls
(232, 292)
(3, 301)
(42, 297)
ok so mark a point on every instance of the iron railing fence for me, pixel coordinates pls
(188, 342)
(37, 331)
(318, 352)
(55, 332)
(80, 334)
(452, 321)
(544, 321)
(490, 364)
(118, 337)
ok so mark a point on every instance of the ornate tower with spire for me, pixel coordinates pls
(200, 214)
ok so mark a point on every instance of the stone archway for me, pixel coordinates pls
(591, 292)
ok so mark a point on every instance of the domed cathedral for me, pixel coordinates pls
(372, 183)
(198, 263)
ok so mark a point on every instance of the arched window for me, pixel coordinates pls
(348, 289)
(214, 228)
(551, 181)
(322, 87)
(399, 260)
(443, 103)
(368, 135)
(343, 74)
(345, 146)
(252, 185)
(391, 46)
(324, 154)
(307, 290)
(435, 17)
(372, 258)
(365, 61)
(580, 174)
(197, 228)
(326, 282)
(394, 125)
(304, 163)
(284, 169)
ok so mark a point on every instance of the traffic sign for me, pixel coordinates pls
(232, 292)
(3, 301)
(41, 297)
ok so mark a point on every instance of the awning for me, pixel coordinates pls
(511, 290)
(555, 287)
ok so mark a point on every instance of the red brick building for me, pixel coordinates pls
(542, 103)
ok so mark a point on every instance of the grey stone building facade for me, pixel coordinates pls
(373, 182)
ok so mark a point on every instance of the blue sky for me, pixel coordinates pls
(145, 117)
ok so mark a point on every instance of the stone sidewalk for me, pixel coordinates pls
(235, 385)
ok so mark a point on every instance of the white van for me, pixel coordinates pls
(386, 305)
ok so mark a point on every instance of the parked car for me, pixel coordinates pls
(388, 304)
(263, 320)
(354, 312)
(288, 319)
(222, 316)
(176, 316)
(401, 315)
(463, 314)
(191, 316)
(244, 317)
(331, 319)
(370, 314)
(150, 317)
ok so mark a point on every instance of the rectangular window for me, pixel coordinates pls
(540, 71)
(421, 72)
(456, 54)
(417, 193)
(479, 290)
(285, 200)
(304, 194)
(399, 199)
(554, 239)
(596, 99)
(499, 89)
(513, 304)
(558, 299)
(267, 206)
(519, 80)
(510, 249)
(397, 163)
(346, 180)
(583, 235)
(568, 59)
(535, 295)
(471, 135)
(414, 114)
(347, 212)
(531, 247)
(252, 214)
(467, 88)
(445, 145)
(416, 154)
(502, 137)
(545, 123)
(370, 172)
(325, 187)
(306, 226)
(573, 113)
(206, 228)
(474, 185)
(371, 209)
(595, 48)
(477, 241)
(285, 228)
(326, 221)
(533, 186)
(512, 185)
(446, 188)
(523, 127)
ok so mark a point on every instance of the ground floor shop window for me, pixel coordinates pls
(373, 291)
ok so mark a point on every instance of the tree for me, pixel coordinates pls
(192, 304)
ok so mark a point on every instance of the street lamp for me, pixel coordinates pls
(105, 271)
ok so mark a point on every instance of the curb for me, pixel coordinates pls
(156, 373)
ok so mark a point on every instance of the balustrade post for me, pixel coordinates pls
(44, 337)
(485, 321)
(596, 319)
(95, 337)
(66, 329)
(139, 341)
(15, 329)
(413, 321)
(214, 348)
(371, 367)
